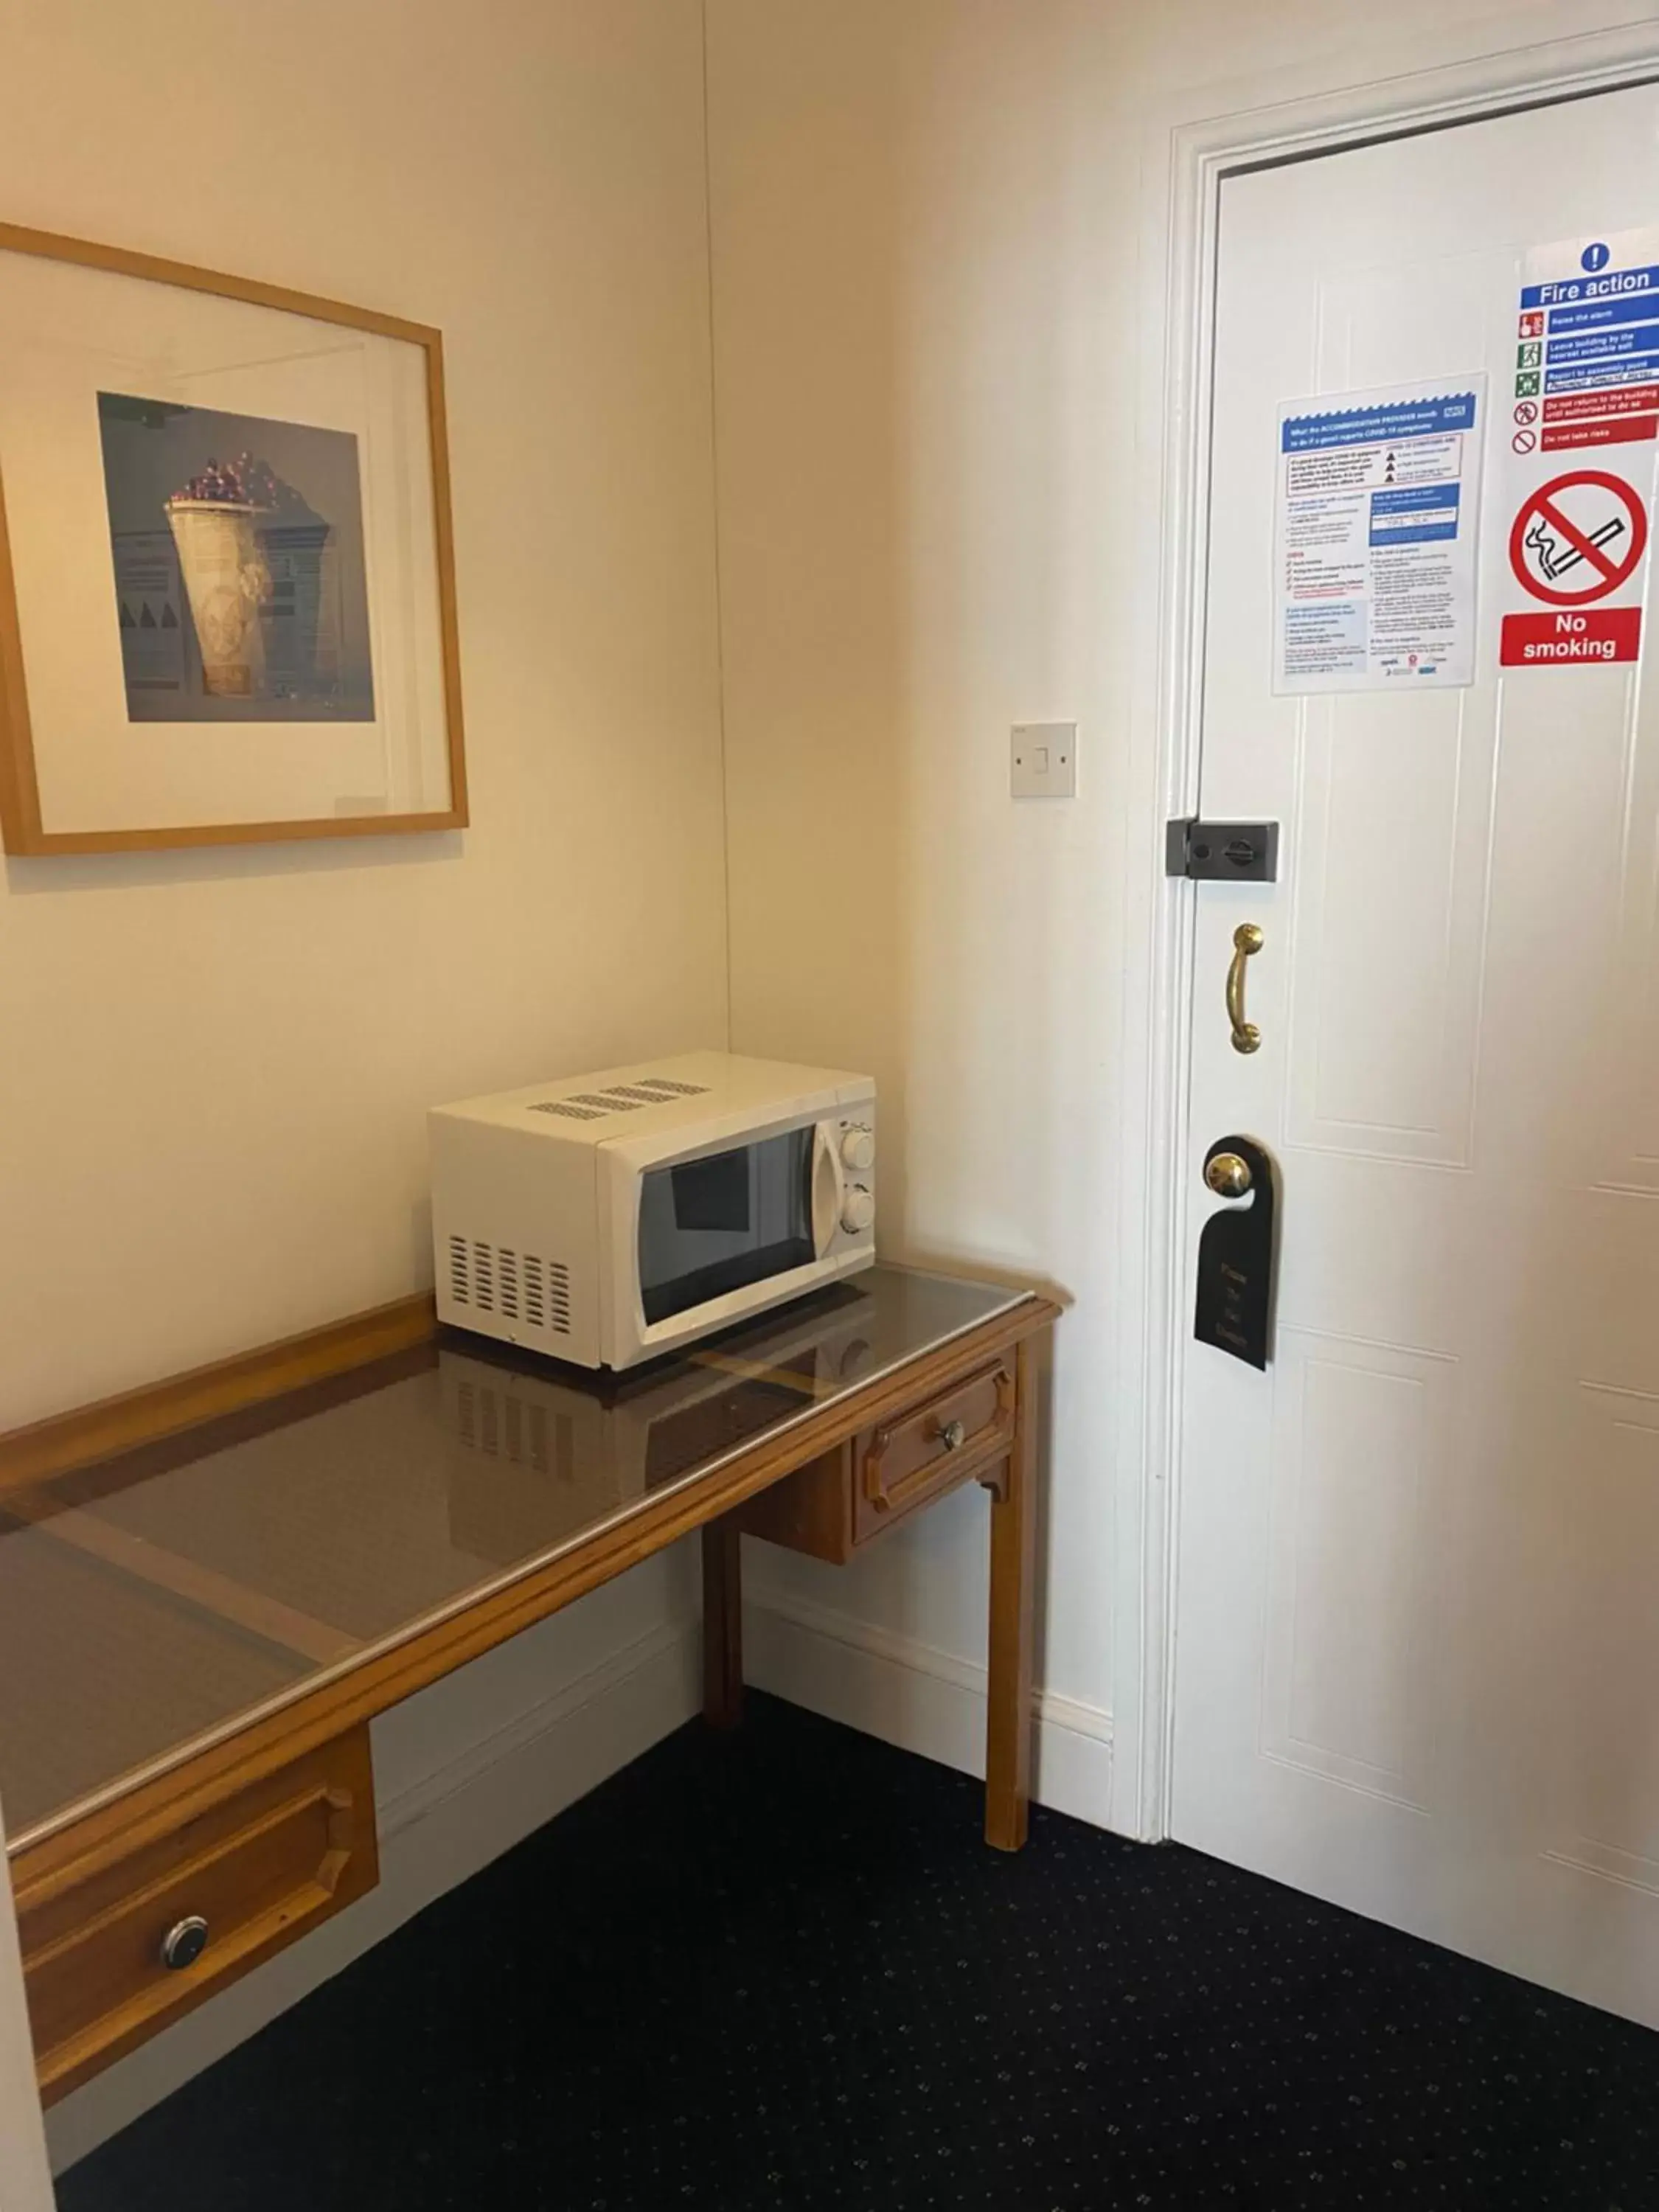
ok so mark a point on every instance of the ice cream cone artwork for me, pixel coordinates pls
(225, 579)
(240, 529)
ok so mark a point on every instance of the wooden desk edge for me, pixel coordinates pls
(64, 1441)
(358, 1690)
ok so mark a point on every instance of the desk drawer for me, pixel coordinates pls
(929, 1448)
(831, 1506)
(259, 1866)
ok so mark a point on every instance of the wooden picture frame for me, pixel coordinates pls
(29, 826)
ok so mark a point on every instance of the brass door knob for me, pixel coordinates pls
(952, 1435)
(185, 1942)
(1228, 1175)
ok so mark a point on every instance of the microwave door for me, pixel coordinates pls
(727, 1220)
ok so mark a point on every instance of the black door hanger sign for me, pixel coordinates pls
(1236, 1254)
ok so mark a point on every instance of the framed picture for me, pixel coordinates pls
(227, 581)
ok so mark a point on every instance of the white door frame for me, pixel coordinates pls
(1186, 160)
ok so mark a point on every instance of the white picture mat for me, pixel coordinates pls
(67, 333)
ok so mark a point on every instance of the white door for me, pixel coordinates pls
(1418, 1614)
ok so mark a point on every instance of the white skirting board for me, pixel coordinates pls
(919, 1699)
(437, 1825)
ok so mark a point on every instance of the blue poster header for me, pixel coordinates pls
(1604, 345)
(1375, 426)
(1634, 368)
(1413, 515)
(1415, 499)
(1607, 286)
(1602, 315)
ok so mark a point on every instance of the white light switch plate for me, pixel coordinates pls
(1042, 760)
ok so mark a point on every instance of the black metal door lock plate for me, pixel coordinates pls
(1223, 852)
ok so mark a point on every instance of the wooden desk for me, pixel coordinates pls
(208, 1589)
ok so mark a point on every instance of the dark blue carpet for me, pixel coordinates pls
(782, 1969)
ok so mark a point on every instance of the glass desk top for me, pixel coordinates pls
(152, 1601)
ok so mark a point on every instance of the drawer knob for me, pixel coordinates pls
(185, 1942)
(952, 1435)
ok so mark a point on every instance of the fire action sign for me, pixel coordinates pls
(1583, 411)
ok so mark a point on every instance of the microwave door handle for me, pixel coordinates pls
(828, 1189)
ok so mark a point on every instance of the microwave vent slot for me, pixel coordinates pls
(547, 1296)
(620, 1098)
(652, 1090)
(519, 1287)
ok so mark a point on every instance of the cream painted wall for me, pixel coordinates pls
(939, 239)
(214, 1067)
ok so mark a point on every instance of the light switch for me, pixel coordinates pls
(1042, 760)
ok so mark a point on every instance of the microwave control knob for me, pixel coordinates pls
(858, 1148)
(858, 1211)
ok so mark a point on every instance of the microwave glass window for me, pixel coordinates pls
(712, 1225)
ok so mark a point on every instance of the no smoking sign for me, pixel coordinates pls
(1578, 537)
(1577, 540)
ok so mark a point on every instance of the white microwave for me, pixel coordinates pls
(608, 1218)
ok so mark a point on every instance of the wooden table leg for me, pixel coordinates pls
(723, 1623)
(1013, 1575)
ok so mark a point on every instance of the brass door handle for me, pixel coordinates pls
(1247, 939)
